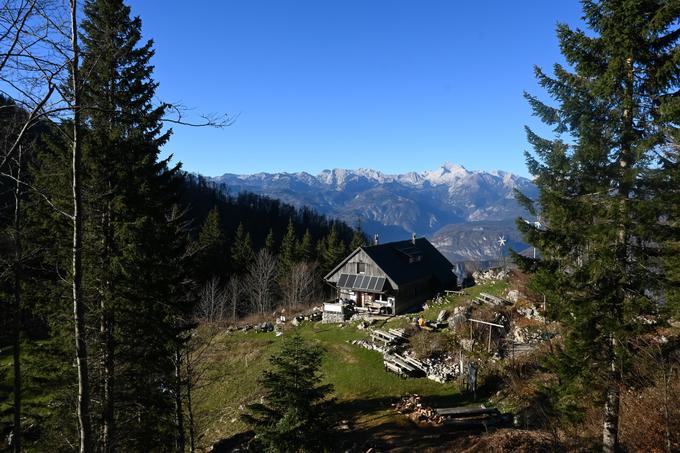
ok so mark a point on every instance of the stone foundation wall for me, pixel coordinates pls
(332, 317)
(362, 316)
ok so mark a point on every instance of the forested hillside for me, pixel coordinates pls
(261, 217)
(109, 252)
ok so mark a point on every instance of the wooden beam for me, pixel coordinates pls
(487, 323)
(465, 411)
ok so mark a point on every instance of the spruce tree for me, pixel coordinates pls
(358, 238)
(269, 242)
(212, 245)
(128, 242)
(48, 354)
(599, 190)
(332, 250)
(294, 416)
(306, 247)
(669, 179)
(289, 251)
(242, 254)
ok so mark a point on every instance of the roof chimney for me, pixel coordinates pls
(413, 239)
(376, 239)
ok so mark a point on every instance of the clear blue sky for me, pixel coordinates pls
(387, 84)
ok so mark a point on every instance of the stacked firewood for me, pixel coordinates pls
(412, 407)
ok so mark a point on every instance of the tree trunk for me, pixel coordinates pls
(667, 417)
(108, 373)
(179, 416)
(190, 409)
(106, 332)
(16, 352)
(83, 410)
(610, 428)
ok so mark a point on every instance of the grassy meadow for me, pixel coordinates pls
(229, 367)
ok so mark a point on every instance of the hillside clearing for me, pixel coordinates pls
(364, 391)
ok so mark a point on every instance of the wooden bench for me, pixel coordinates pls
(491, 299)
(391, 337)
(398, 366)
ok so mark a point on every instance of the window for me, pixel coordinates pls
(361, 268)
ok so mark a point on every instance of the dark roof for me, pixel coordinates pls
(408, 261)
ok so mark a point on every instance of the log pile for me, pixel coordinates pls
(477, 417)
(412, 407)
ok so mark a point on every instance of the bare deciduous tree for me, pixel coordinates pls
(299, 286)
(234, 294)
(260, 281)
(39, 56)
(213, 302)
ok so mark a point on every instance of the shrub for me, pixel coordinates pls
(425, 344)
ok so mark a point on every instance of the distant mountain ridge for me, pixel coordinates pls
(395, 206)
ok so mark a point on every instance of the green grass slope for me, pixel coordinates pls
(229, 369)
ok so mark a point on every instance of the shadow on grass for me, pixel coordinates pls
(373, 423)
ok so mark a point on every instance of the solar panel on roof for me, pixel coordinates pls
(380, 284)
(361, 282)
(365, 282)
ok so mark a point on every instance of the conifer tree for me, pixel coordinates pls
(332, 250)
(48, 371)
(128, 236)
(598, 186)
(211, 259)
(12, 256)
(306, 247)
(358, 238)
(295, 415)
(242, 254)
(289, 252)
(269, 242)
(670, 197)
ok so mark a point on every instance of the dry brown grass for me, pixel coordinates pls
(515, 441)
(643, 418)
(425, 344)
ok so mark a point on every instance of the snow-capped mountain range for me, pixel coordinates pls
(395, 206)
